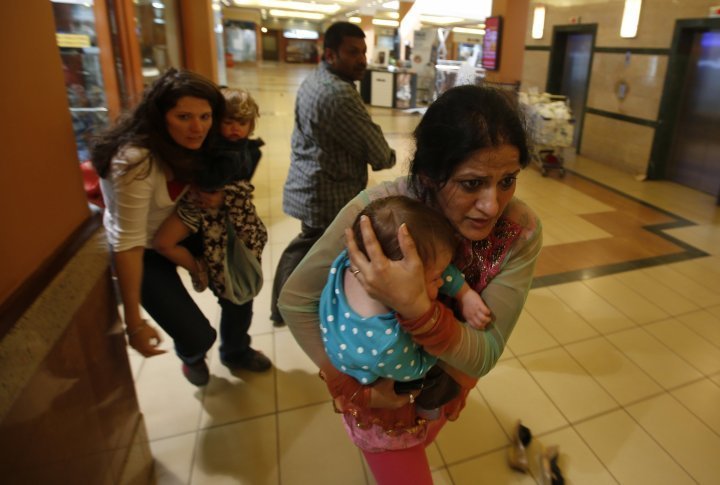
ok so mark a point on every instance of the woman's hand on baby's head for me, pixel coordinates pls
(397, 284)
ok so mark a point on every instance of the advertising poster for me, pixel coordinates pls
(491, 43)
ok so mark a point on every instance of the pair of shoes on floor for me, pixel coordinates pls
(197, 374)
(200, 278)
(550, 473)
(520, 440)
(252, 361)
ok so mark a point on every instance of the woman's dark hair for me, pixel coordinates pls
(335, 34)
(461, 121)
(429, 228)
(146, 127)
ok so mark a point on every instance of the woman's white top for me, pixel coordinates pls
(136, 202)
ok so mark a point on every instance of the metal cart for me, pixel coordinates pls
(551, 126)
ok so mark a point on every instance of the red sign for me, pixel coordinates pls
(491, 43)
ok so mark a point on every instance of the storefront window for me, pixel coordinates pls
(219, 34)
(76, 37)
(241, 40)
(158, 36)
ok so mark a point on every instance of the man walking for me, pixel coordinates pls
(333, 142)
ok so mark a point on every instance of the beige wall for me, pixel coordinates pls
(643, 72)
(535, 69)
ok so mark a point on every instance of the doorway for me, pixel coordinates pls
(270, 48)
(684, 149)
(694, 158)
(569, 70)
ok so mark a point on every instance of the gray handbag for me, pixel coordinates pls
(243, 273)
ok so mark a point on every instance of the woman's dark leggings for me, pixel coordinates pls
(167, 301)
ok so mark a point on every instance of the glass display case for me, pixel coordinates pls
(158, 37)
(77, 40)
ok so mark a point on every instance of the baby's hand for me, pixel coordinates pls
(474, 309)
(210, 200)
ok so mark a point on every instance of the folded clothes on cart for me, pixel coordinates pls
(549, 120)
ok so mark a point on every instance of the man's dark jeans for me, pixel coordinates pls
(291, 257)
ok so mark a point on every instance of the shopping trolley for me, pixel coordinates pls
(551, 128)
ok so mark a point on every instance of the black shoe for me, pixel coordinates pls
(277, 320)
(253, 361)
(197, 374)
(520, 439)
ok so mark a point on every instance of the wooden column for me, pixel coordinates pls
(367, 26)
(403, 10)
(512, 50)
(198, 35)
(129, 51)
(68, 409)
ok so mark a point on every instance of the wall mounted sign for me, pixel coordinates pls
(491, 43)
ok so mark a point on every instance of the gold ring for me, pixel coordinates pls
(412, 398)
(355, 272)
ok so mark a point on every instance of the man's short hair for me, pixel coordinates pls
(335, 34)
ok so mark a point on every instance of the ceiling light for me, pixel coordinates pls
(630, 18)
(355, 20)
(295, 14)
(393, 15)
(465, 30)
(432, 19)
(386, 23)
(392, 5)
(538, 25)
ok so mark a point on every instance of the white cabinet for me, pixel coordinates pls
(381, 89)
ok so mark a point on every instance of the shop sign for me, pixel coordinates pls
(73, 40)
(715, 11)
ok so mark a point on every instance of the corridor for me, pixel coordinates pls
(616, 357)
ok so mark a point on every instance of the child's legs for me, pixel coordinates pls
(409, 466)
(234, 325)
(405, 466)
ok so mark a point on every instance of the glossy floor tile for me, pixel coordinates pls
(615, 358)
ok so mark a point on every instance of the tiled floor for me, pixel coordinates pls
(620, 367)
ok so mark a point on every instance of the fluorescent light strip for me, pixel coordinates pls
(291, 5)
(432, 19)
(355, 20)
(465, 30)
(295, 14)
(392, 5)
(386, 23)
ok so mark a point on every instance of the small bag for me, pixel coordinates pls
(243, 273)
